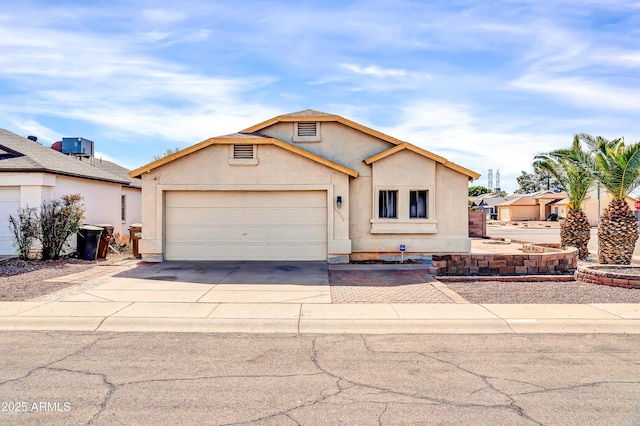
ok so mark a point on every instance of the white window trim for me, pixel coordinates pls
(316, 138)
(243, 161)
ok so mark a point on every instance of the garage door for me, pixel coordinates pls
(9, 204)
(246, 225)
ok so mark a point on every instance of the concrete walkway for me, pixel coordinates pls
(107, 303)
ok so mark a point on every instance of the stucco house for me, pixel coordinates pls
(595, 203)
(302, 186)
(489, 202)
(31, 173)
(535, 206)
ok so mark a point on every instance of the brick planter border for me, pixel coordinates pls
(536, 259)
(592, 274)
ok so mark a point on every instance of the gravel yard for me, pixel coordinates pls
(20, 280)
(542, 292)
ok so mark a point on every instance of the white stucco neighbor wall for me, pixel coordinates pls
(133, 210)
(101, 199)
(34, 187)
(210, 170)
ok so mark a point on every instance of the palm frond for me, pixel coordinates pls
(566, 166)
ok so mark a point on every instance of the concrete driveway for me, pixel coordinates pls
(301, 273)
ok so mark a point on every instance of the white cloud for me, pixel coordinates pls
(375, 71)
(31, 127)
(155, 36)
(163, 16)
(583, 92)
(106, 81)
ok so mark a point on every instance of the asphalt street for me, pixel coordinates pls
(179, 378)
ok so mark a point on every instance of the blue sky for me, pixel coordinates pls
(487, 84)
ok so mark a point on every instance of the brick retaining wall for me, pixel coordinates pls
(591, 274)
(477, 224)
(535, 259)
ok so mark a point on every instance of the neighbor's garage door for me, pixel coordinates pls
(246, 225)
(9, 204)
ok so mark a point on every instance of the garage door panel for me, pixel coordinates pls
(246, 225)
(9, 205)
(188, 216)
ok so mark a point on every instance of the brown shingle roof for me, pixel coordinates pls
(115, 169)
(39, 158)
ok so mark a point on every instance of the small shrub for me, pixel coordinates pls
(57, 221)
(24, 227)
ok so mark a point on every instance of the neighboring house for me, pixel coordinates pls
(489, 204)
(31, 173)
(302, 186)
(594, 208)
(536, 206)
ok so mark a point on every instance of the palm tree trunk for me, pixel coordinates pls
(617, 234)
(575, 231)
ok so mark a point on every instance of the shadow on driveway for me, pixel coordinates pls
(220, 272)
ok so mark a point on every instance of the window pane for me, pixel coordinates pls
(418, 204)
(387, 204)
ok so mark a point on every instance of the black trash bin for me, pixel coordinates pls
(88, 241)
(105, 239)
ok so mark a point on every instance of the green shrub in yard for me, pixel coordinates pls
(24, 227)
(57, 221)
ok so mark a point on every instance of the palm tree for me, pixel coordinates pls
(575, 230)
(617, 167)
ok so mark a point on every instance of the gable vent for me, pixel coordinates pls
(242, 151)
(306, 129)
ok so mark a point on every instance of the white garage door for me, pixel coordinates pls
(9, 204)
(246, 225)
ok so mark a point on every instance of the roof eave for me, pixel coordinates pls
(61, 173)
(258, 140)
(428, 154)
(326, 118)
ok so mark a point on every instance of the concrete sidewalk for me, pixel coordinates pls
(107, 303)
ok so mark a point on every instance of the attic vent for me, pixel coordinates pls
(242, 151)
(307, 129)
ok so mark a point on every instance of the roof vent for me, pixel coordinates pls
(242, 151)
(306, 131)
(33, 138)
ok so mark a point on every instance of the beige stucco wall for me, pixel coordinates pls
(341, 144)
(447, 227)
(524, 213)
(277, 170)
(350, 228)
